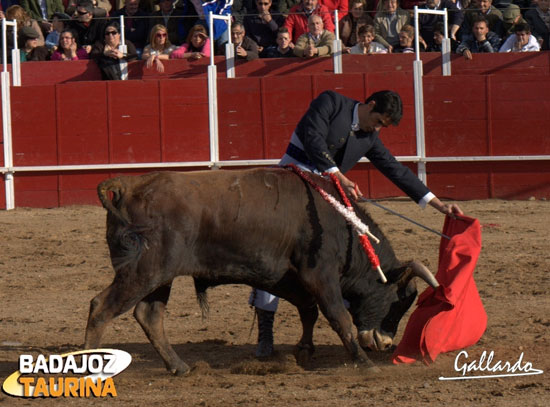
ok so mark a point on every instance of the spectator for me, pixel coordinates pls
(426, 22)
(539, 21)
(136, 24)
(42, 11)
(174, 19)
(388, 23)
(196, 46)
(27, 38)
(486, 9)
(109, 53)
(317, 42)
(297, 21)
(406, 40)
(101, 8)
(482, 41)
(245, 47)
(511, 16)
(218, 7)
(356, 18)
(439, 36)
(58, 25)
(284, 46)
(521, 40)
(68, 49)
(365, 42)
(89, 29)
(158, 49)
(19, 14)
(262, 26)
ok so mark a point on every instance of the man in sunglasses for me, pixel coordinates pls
(263, 26)
(88, 29)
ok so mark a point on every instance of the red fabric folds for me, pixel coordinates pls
(451, 317)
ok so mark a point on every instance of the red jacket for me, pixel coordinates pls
(340, 5)
(296, 22)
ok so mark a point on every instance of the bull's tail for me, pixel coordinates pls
(202, 297)
(118, 188)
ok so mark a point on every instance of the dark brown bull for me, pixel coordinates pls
(263, 227)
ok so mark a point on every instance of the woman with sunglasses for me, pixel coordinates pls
(196, 46)
(159, 48)
(110, 55)
(67, 49)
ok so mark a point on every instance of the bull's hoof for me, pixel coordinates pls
(264, 349)
(303, 354)
(181, 369)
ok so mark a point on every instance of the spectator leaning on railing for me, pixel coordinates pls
(158, 49)
(284, 46)
(245, 47)
(68, 49)
(297, 20)
(196, 46)
(521, 40)
(317, 42)
(366, 44)
(482, 41)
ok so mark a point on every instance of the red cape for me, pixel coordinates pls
(452, 316)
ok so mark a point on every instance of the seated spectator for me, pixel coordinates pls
(196, 46)
(439, 37)
(58, 25)
(262, 26)
(356, 18)
(68, 49)
(245, 47)
(521, 40)
(481, 41)
(388, 23)
(539, 21)
(241, 8)
(297, 21)
(283, 48)
(511, 16)
(174, 19)
(88, 28)
(42, 11)
(22, 19)
(101, 8)
(136, 25)
(27, 38)
(315, 43)
(406, 40)
(158, 49)
(109, 55)
(486, 9)
(426, 22)
(366, 43)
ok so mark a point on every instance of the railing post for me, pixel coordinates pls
(337, 47)
(124, 49)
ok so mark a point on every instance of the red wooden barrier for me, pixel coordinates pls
(166, 120)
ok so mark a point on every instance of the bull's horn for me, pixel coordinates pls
(420, 270)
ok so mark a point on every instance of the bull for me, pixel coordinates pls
(266, 228)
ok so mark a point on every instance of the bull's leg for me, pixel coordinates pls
(110, 303)
(326, 289)
(305, 348)
(149, 312)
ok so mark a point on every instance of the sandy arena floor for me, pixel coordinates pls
(53, 262)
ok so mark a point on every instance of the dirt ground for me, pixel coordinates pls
(54, 261)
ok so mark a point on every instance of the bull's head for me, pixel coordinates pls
(377, 314)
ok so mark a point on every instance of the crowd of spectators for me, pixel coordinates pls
(157, 30)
